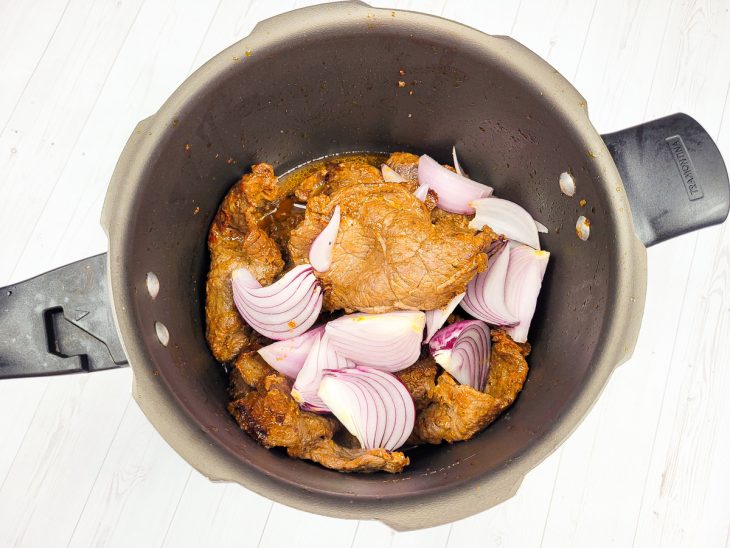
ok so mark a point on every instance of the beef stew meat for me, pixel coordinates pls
(264, 408)
(389, 256)
(236, 240)
(393, 252)
(456, 412)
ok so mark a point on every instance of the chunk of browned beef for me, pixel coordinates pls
(392, 252)
(248, 373)
(420, 380)
(273, 418)
(457, 412)
(388, 254)
(331, 455)
(235, 240)
(312, 184)
(341, 173)
(265, 409)
(404, 164)
(349, 172)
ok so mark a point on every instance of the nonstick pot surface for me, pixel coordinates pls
(287, 95)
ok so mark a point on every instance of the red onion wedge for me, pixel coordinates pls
(374, 406)
(321, 357)
(455, 191)
(320, 253)
(524, 279)
(283, 310)
(457, 166)
(507, 218)
(436, 318)
(389, 342)
(288, 356)
(463, 349)
(421, 192)
(484, 298)
(390, 175)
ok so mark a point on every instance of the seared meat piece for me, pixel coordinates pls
(260, 188)
(273, 418)
(388, 255)
(507, 367)
(226, 331)
(420, 380)
(338, 174)
(446, 218)
(330, 455)
(280, 223)
(248, 373)
(457, 412)
(348, 172)
(404, 164)
(265, 409)
(312, 184)
(236, 240)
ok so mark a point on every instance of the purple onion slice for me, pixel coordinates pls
(374, 406)
(463, 349)
(283, 310)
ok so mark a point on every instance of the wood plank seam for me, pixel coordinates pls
(7, 473)
(98, 471)
(78, 137)
(664, 413)
(30, 76)
(177, 507)
(682, 304)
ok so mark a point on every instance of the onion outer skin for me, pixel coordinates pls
(541, 228)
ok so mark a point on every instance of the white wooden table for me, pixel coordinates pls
(81, 466)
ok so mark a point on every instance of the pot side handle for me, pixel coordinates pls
(59, 322)
(674, 175)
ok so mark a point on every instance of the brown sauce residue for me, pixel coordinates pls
(292, 179)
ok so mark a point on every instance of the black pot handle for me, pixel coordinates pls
(59, 322)
(674, 176)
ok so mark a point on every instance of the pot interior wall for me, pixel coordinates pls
(338, 90)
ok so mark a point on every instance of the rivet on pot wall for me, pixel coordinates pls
(162, 333)
(153, 284)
